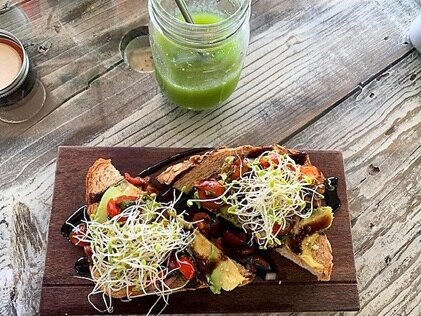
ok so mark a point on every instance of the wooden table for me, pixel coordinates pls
(318, 75)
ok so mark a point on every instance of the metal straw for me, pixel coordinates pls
(184, 11)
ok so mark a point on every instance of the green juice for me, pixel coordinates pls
(198, 79)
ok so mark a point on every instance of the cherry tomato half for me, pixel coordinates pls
(280, 232)
(78, 233)
(209, 189)
(203, 224)
(151, 190)
(125, 198)
(88, 251)
(312, 172)
(234, 240)
(112, 208)
(239, 168)
(266, 161)
(186, 267)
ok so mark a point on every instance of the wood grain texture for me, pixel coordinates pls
(379, 131)
(72, 166)
(203, 300)
(374, 118)
(274, 84)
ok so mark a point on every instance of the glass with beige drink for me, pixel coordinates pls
(21, 94)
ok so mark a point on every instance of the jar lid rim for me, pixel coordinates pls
(23, 72)
(204, 33)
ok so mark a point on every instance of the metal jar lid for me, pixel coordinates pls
(23, 72)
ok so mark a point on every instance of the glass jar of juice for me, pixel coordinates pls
(198, 65)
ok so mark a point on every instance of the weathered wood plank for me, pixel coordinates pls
(275, 79)
(379, 130)
(375, 131)
(71, 43)
(29, 245)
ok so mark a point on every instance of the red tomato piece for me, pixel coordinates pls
(125, 198)
(112, 208)
(209, 189)
(88, 251)
(239, 168)
(137, 181)
(313, 173)
(78, 233)
(151, 190)
(210, 205)
(276, 227)
(219, 243)
(186, 267)
(203, 224)
(266, 161)
(278, 231)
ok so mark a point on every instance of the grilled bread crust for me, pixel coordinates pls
(321, 252)
(101, 175)
(185, 174)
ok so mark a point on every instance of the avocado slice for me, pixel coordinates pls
(122, 188)
(225, 276)
(307, 252)
(320, 220)
(221, 272)
(224, 211)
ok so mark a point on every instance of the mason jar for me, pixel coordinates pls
(198, 65)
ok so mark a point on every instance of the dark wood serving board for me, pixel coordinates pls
(63, 294)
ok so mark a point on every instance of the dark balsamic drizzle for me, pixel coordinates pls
(331, 193)
(156, 167)
(82, 266)
(260, 264)
(75, 219)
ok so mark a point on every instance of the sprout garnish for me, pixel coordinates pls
(264, 198)
(133, 255)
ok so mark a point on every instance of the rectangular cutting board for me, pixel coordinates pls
(63, 294)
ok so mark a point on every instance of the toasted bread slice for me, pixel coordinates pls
(102, 175)
(318, 261)
(176, 283)
(183, 175)
(316, 255)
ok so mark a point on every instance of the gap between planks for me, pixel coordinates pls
(357, 89)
